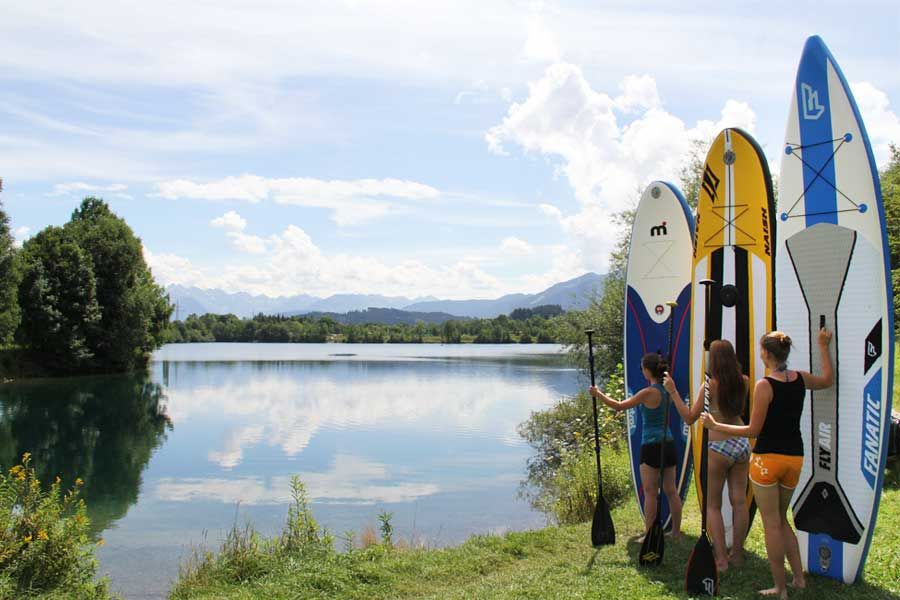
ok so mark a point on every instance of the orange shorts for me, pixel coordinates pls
(767, 470)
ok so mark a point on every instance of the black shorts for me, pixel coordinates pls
(650, 455)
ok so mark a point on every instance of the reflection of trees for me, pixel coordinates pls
(102, 429)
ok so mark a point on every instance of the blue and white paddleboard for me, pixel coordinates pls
(659, 270)
(833, 269)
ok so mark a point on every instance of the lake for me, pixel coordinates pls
(213, 433)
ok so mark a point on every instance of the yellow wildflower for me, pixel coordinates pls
(79, 481)
(58, 480)
(15, 470)
(100, 542)
(21, 475)
(26, 456)
(42, 535)
(28, 539)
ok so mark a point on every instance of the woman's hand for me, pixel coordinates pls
(669, 384)
(594, 391)
(708, 421)
(824, 337)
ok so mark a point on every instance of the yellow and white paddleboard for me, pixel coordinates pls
(733, 246)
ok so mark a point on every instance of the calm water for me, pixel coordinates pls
(212, 435)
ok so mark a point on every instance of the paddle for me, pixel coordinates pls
(702, 576)
(654, 545)
(603, 533)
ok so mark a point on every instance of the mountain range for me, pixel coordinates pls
(572, 294)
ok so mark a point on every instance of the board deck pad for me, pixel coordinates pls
(734, 247)
(833, 270)
(658, 271)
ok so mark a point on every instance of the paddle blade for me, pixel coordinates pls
(702, 577)
(654, 546)
(603, 533)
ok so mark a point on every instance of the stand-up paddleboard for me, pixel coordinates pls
(834, 271)
(733, 247)
(658, 271)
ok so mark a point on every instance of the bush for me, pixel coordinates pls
(45, 544)
(246, 556)
(573, 488)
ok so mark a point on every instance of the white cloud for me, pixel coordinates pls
(352, 202)
(882, 123)
(64, 189)
(607, 147)
(173, 269)
(291, 263)
(250, 244)
(20, 234)
(231, 221)
(516, 247)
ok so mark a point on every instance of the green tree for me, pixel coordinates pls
(890, 190)
(134, 309)
(9, 282)
(60, 313)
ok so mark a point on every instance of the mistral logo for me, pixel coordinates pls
(658, 230)
(812, 109)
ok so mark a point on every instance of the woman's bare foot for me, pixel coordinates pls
(721, 566)
(799, 582)
(782, 594)
(736, 558)
(675, 535)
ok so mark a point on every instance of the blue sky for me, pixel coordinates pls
(463, 149)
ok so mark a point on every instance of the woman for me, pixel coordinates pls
(778, 455)
(650, 403)
(729, 459)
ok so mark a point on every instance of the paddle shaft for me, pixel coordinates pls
(665, 404)
(596, 422)
(704, 453)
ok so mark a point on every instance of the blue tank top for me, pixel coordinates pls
(652, 431)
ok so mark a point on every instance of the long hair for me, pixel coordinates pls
(656, 364)
(725, 368)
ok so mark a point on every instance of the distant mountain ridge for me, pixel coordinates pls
(572, 294)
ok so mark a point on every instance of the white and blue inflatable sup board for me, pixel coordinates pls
(833, 270)
(659, 270)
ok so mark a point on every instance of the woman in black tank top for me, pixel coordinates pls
(778, 455)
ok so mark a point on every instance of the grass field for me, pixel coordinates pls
(549, 563)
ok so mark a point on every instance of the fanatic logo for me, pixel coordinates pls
(812, 110)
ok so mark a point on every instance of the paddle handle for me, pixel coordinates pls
(665, 405)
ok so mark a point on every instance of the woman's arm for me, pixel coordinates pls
(762, 397)
(638, 398)
(688, 414)
(820, 382)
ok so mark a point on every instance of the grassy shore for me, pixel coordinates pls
(556, 562)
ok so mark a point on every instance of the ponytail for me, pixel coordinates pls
(656, 364)
(778, 344)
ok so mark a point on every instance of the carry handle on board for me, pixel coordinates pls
(603, 532)
(654, 545)
(702, 576)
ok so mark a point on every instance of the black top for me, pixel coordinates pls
(781, 431)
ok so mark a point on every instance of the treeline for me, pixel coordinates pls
(267, 328)
(80, 298)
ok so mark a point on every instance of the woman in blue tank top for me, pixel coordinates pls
(651, 402)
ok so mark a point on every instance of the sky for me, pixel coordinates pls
(461, 149)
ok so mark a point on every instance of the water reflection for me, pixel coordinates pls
(286, 406)
(102, 429)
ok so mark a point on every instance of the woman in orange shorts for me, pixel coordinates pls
(778, 455)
